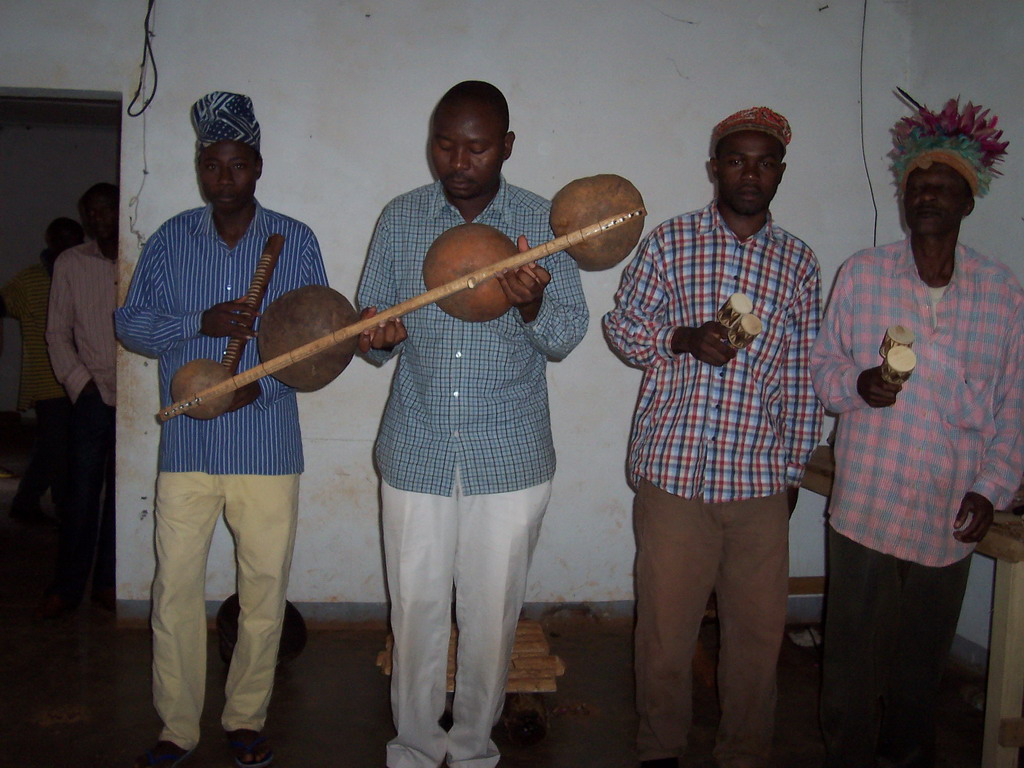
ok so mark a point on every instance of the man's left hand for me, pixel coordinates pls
(244, 396)
(524, 287)
(976, 511)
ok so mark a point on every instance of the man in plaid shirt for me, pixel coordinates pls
(919, 466)
(465, 450)
(719, 443)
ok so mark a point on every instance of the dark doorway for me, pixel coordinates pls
(53, 146)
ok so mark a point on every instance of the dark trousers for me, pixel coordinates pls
(48, 467)
(86, 526)
(889, 625)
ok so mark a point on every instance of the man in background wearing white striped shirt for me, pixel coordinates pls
(83, 352)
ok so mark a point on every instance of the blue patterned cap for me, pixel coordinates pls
(221, 116)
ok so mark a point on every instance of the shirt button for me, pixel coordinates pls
(455, 393)
(458, 354)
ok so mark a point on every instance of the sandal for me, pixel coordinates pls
(165, 754)
(251, 748)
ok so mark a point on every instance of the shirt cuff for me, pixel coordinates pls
(190, 324)
(993, 491)
(663, 343)
(850, 385)
(539, 324)
(794, 475)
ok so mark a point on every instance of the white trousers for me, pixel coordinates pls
(260, 511)
(482, 545)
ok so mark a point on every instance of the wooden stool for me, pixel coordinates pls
(532, 671)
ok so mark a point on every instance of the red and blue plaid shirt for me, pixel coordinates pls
(744, 430)
(902, 471)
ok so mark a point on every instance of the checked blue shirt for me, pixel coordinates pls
(470, 397)
(184, 270)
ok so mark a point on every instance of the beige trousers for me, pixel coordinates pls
(686, 549)
(260, 511)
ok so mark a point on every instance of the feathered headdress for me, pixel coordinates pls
(968, 142)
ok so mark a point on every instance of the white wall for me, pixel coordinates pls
(343, 92)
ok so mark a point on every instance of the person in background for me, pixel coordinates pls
(25, 297)
(83, 350)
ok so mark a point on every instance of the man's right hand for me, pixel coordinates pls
(229, 318)
(876, 391)
(706, 343)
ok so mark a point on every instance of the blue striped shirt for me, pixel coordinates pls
(184, 270)
(467, 396)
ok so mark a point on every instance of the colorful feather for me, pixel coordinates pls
(972, 135)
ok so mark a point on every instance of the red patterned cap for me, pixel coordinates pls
(754, 119)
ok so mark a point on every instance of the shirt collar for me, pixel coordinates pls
(711, 219)
(92, 248)
(495, 209)
(905, 262)
(205, 227)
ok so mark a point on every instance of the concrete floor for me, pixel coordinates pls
(77, 689)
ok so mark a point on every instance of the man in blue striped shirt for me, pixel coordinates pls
(464, 449)
(183, 304)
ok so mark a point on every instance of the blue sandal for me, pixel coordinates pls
(165, 754)
(246, 744)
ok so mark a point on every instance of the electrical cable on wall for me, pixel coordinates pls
(133, 203)
(148, 62)
(147, 58)
(863, 149)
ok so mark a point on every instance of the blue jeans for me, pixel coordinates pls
(87, 527)
(889, 625)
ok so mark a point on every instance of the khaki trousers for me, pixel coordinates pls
(261, 513)
(685, 549)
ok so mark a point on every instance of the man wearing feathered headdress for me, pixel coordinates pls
(919, 464)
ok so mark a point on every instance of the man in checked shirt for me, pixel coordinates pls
(719, 442)
(918, 466)
(465, 450)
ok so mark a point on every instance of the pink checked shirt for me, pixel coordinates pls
(80, 322)
(743, 430)
(901, 472)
